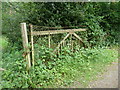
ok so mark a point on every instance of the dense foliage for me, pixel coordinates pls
(101, 20)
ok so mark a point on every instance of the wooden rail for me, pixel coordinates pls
(55, 31)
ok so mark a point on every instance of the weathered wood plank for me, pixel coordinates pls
(56, 31)
(25, 44)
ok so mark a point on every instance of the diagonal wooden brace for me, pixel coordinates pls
(61, 42)
(77, 37)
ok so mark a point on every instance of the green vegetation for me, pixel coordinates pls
(101, 19)
(102, 22)
(58, 71)
(3, 42)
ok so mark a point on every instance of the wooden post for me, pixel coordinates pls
(25, 44)
(32, 45)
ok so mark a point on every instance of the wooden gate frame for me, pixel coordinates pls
(48, 32)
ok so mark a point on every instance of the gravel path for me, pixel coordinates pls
(107, 80)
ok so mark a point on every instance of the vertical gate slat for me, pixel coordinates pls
(49, 39)
(32, 45)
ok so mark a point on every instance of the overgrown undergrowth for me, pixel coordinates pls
(55, 71)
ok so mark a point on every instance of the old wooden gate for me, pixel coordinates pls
(46, 32)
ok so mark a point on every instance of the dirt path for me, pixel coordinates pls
(107, 80)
